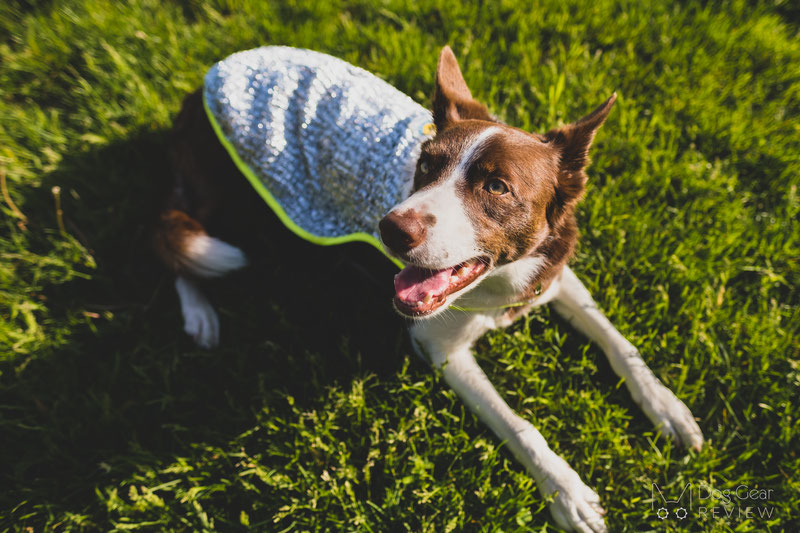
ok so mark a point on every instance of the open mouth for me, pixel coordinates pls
(420, 291)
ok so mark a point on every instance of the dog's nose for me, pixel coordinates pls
(402, 232)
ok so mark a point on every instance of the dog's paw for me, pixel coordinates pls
(201, 323)
(575, 507)
(671, 416)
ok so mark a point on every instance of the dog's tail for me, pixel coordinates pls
(184, 246)
(179, 238)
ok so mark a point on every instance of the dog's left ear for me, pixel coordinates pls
(452, 100)
(573, 142)
(575, 139)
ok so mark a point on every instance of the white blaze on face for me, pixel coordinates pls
(452, 238)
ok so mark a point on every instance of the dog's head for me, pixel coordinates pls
(485, 194)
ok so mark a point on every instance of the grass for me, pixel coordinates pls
(111, 420)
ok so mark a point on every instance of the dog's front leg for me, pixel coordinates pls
(575, 505)
(664, 409)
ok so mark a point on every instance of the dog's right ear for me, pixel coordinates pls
(452, 100)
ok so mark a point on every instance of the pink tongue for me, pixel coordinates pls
(412, 283)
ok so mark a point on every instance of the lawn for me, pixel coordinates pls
(111, 420)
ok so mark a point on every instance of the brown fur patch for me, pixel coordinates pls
(170, 240)
(511, 224)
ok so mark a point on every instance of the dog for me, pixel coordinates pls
(487, 227)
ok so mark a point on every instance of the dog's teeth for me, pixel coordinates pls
(454, 279)
(428, 298)
(462, 271)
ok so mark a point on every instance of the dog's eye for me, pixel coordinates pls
(423, 167)
(496, 187)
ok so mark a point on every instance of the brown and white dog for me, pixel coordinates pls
(490, 223)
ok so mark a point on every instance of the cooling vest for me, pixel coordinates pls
(330, 147)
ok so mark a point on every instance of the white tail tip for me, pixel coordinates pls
(209, 257)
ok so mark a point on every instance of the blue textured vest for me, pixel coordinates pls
(329, 146)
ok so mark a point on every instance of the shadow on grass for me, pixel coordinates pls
(126, 388)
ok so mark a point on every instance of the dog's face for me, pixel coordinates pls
(485, 194)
